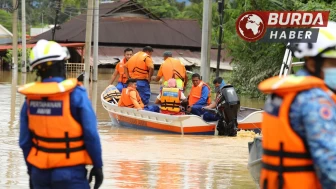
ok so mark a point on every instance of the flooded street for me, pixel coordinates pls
(134, 158)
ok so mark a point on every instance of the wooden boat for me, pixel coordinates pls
(248, 118)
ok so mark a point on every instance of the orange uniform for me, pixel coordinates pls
(138, 65)
(196, 92)
(286, 161)
(173, 68)
(120, 68)
(126, 101)
(57, 136)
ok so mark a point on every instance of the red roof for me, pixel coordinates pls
(6, 47)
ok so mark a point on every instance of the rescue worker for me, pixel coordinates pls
(131, 98)
(119, 70)
(140, 67)
(58, 127)
(200, 95)
(299, 146)
(208, 116)
(170, 99)
(172, 68)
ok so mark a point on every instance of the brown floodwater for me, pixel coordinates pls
(134, 158)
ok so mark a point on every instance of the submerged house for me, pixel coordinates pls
(125, 23)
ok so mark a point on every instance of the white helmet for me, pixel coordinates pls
(325, 45)
(45, 51)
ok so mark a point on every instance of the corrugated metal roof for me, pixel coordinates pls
(116, 29)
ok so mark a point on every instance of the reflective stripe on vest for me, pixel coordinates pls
(125, 100)
(137, 66)
(196, 93)
(56, 135)
(286, 161)
(170, 99)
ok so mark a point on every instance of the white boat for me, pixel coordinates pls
(248, 119)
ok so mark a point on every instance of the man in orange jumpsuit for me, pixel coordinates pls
(119, 70)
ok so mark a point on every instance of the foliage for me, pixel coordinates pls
(9, 56)
(161, 8)
(6, 18)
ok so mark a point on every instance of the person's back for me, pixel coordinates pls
(58, 127)
(170, 99)
(140, 67)
(172, 68)
(298, 123)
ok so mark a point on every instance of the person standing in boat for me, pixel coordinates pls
(172, 68)
(200, 95)
(58, 127)
(131, 98)
(208, 116)
(119, 70)
(140, 67)
(170, 99)
(298, 127)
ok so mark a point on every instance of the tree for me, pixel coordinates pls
(161, 8)
(6, 18)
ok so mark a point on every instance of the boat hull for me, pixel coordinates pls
(248, 119)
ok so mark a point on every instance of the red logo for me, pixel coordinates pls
(250, 26)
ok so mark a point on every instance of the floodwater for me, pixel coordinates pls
(133, 158)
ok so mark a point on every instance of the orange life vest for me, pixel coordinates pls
(287, 163)
(137, 67)
(125, 100)
(57, 137)
(173, 68)
(196, 93)
(122, 76)
(170, 99)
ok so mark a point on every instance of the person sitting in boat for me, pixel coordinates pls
(172, 68)
(208, 116)
(130, 98)
(170, 99)
(200, 95)
(119, 70)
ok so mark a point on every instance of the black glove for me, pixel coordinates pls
(99, 177)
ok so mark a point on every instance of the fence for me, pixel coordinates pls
(75, 69)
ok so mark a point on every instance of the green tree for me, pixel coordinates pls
(161, 8)
(6, 20)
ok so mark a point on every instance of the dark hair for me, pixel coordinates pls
(218, 80)
(196, 75)
(128, 49)
(56, 69)
(130, 81)
(147, 49)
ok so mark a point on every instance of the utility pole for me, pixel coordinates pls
(221, 14)
(57, 7)
(15, 37)
(24, 52)
(206, 40)
(88, 36)
(95, 41)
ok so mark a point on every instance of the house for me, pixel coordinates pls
(125, 23)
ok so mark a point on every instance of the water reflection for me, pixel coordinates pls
(132, 158)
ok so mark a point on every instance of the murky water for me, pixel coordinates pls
(133, 158)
